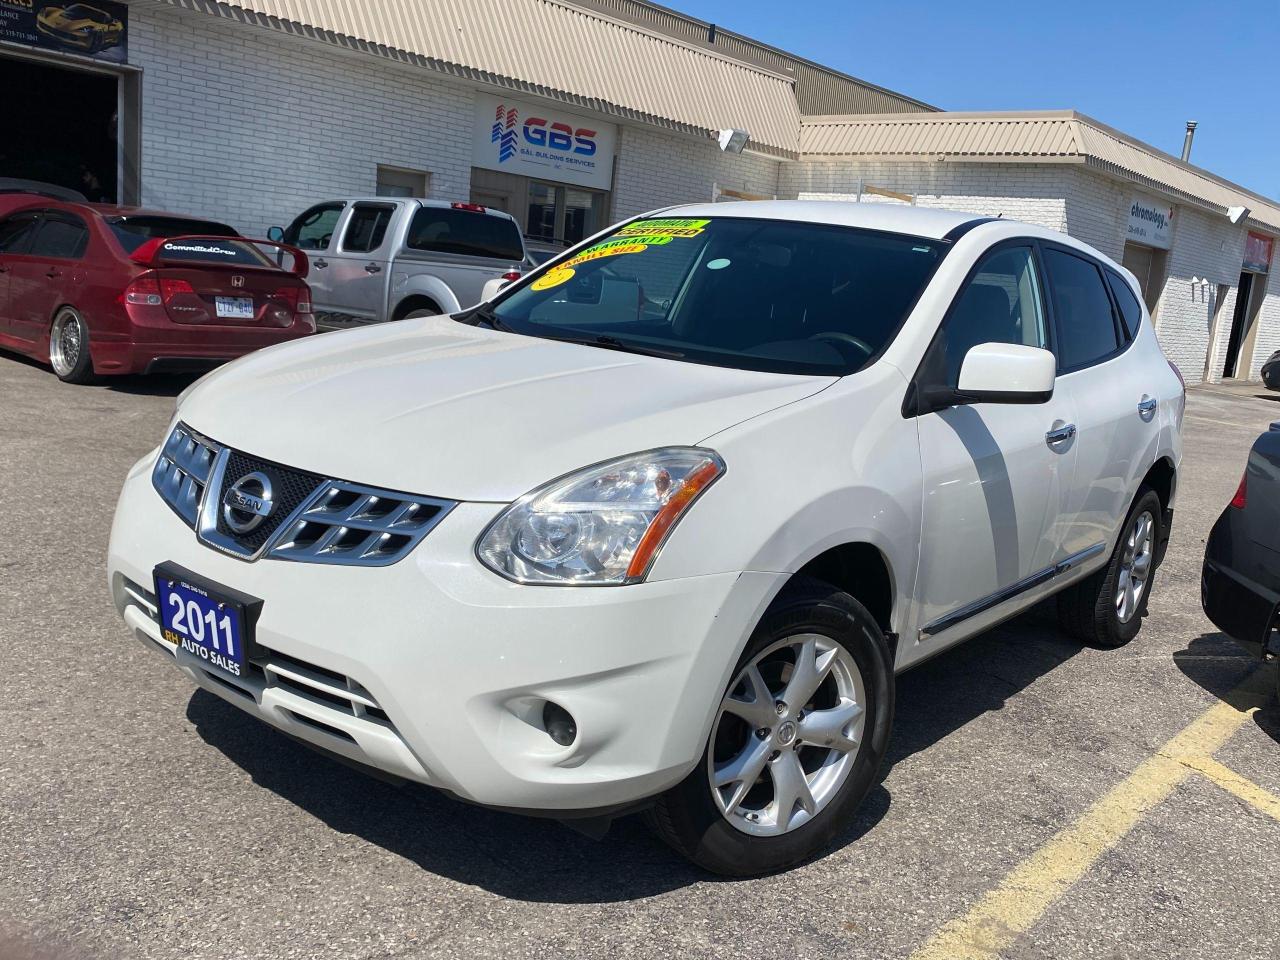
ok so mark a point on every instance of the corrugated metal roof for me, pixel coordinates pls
(819, 89)
(1053, 136)
(553, 49)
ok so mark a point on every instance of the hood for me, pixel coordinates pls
(438, 408)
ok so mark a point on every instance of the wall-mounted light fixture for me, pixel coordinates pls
(1236, 214)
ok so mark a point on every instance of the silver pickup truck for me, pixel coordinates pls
(384, 258)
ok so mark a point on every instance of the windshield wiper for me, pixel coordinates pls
(613, 343)
(483, 315)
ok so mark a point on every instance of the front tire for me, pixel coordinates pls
(1106, 608)
(69, 347)
(797, 741)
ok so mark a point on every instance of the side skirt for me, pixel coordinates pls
(1008, 593)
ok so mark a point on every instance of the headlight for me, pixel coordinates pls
(600, 526)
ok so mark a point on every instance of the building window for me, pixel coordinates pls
(399, 182)
(564, 214)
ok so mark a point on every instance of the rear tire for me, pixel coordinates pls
(1106, 608)
(69, 347)
(742, 827)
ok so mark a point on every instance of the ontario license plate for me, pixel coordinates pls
(234, 308)
(205, 620)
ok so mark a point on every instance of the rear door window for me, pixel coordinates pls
(1130, 309)
(466, 232)
(60, 237)
(367, 227)
(313, 230)
(16, 232)
(1082, 310)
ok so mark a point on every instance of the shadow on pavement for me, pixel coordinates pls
(524, 858)
(156, 385)
(532, 859)
(1219, 665)
(978, 676)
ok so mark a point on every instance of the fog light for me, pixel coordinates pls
(559, 724)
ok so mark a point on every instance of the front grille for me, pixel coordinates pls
(182, 471)
(289, 488)
(359, 526)
(312, 518)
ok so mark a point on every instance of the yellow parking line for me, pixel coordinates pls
(1233, 783)
(1022, 898)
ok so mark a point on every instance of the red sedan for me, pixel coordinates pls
(95, 289)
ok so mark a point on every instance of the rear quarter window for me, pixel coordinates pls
(466, 232)
(1130, 309)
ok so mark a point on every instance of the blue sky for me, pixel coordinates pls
(1143, 67)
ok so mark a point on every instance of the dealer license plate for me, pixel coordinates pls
(234, 308)
(204, 620)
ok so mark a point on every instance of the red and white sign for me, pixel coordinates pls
(1257, 252)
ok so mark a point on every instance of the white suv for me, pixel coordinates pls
(658, 525)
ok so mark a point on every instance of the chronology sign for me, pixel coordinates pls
(1150, 222)
(547, 143)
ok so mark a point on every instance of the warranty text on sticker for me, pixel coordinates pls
(667, 227)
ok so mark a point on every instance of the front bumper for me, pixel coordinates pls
(435, 670)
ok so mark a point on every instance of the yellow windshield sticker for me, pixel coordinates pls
(667, 227)
(552, 278)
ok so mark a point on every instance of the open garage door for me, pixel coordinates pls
(61, 126)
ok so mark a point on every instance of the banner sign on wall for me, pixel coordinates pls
(98, 29)
(543, 142)
(1257, 253)
(1150, 222)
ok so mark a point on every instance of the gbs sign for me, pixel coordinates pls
(523, 139)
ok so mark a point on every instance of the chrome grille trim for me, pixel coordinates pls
(182, 470)
(339, 522)
(354, 525)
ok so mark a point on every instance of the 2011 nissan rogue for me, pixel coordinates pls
(658, 524)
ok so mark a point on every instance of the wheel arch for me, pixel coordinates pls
(860, 569)
(424, 287)
(414, 302)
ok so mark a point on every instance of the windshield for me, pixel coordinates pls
(768, 295)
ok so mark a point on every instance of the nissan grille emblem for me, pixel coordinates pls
(237, 281)
(248, 502)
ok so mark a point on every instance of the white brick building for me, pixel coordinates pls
(248, 113)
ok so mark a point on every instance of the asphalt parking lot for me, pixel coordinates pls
(1041, 801)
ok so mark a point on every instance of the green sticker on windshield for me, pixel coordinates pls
(666, 227)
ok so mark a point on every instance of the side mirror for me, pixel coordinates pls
(994, 373)
(1007, 373)
(491, 288)
(276, 234)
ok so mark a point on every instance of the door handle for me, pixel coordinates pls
(1147, 408)
(372, 268)
(320, 264)
(53, 273)
(1060, 435)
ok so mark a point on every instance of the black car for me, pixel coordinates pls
(1271, 371)
(1240, 580)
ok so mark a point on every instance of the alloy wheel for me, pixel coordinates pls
(65, 344)
(786, 735)
(1135, 566)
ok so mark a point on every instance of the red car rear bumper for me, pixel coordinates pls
(146, 348)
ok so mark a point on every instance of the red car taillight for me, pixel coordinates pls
(1242, 492)
(148, 291)
(298, 298)
(143, 292)
(511, 276)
